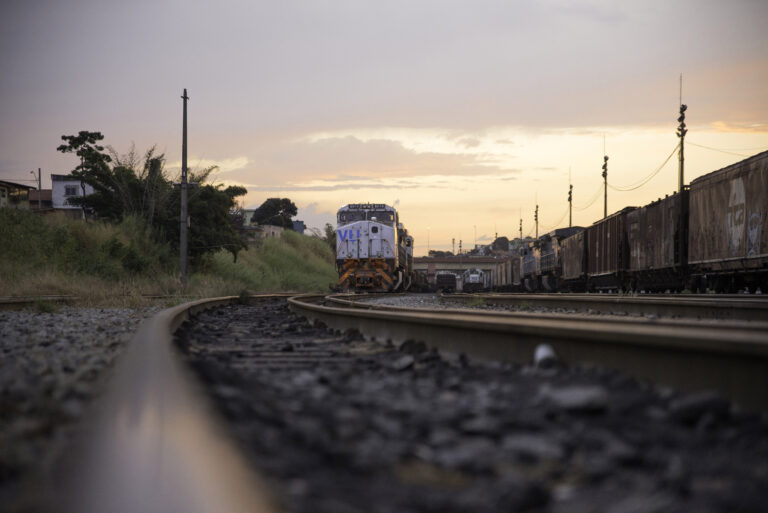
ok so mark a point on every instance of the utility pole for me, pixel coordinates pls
(459, 246)
(453, 245)
(536, 220)
(521, 227)
(570, 205)
(39, 189)
(605, 185)
(183, 219)
(681, 131)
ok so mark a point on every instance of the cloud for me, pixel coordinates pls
(723, 126)
(224, 166)
(356, 162)
(469, 142)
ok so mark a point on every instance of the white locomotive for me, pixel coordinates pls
(373, 250)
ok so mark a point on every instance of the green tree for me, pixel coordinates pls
(137, 186)
(330, 236)
(276, 212)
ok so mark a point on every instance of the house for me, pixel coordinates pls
(14, 195)
(64, 187)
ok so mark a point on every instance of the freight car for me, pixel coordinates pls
(374, 252)
(728, 227)
(446, 281)
(541, 261)
(710, 236)
(656, 235)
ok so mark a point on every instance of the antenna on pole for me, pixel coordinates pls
(681, 131)
(605, 181)
(536, 215)
(570, 199)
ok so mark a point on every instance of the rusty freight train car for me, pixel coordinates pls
(573, 258)
(656, 235)
(728, 227)
(608, 251)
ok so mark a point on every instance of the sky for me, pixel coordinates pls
(465, 115)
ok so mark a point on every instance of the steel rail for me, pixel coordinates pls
(712, 307)
(20, 302)
(723, 325)
(154, 443)
(735, 362)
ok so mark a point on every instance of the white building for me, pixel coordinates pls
(64, 187)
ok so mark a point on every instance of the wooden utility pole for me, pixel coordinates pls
(681, 131)
(605, 185)
(183, 219)
(536, 220)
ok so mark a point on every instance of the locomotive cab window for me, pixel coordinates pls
(350, 217)
(382, 216)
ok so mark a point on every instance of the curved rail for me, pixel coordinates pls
(747, 308)
(724, 326)
(732, 361)
(154, 443)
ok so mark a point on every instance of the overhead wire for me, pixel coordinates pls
(591, 201)
(648, 178)
(557, 223)
(721, 151)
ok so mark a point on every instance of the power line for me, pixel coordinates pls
(648, 178)
(557, 223)
(591, 201)
(722, 151)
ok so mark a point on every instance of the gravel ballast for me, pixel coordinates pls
(369, 427)
(52, 366)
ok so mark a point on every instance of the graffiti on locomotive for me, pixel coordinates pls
(374, 252)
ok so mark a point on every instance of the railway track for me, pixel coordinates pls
(730, 357)
(158, 444)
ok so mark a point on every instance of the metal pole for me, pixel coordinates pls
(39, 190)
(183, 218)
(536, 219)
(605, 185)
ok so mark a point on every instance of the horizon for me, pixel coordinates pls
(463, 117)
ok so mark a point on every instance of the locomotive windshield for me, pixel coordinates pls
(350, 216)
(382, 216)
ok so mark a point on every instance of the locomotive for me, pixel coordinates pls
(712, 235)
(374, 252)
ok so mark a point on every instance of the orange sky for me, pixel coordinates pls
(466, 114)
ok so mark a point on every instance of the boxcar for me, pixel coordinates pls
(656, 234)
(608, 251)
(573, 258)
(550, 263)
(728, 226)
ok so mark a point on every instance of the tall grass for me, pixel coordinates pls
(102, 262)
(294, 263)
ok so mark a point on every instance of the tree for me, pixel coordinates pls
(501, 244)
(84, 146)
(330, 236)
(137, 186)
(276, 212)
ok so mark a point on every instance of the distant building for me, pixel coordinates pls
(299, 226)
(64, 187)
(14, 195)
(248, 216)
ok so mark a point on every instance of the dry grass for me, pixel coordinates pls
(122, 265)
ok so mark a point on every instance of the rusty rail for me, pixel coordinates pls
(731, 361)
